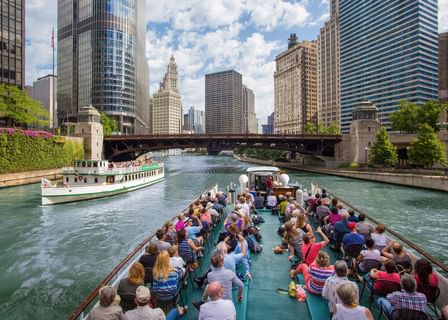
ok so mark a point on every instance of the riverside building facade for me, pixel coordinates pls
(12, 42)
(167, 105)
(102, 61)
(295, 86)
(443, 67)
(223, 102)
(388, 53)
(329, 104)
(44, 90)
(249, 119)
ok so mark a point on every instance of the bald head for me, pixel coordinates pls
(214, 290)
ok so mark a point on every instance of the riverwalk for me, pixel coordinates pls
(28, 177)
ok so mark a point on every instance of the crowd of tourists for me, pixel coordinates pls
(366, 256)
(152, 288)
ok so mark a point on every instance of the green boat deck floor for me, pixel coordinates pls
(270, 271)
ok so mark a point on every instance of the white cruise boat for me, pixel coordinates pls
(92, 179)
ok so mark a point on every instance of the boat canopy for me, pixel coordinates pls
(262, 169)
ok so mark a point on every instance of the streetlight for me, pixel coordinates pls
(366, 149)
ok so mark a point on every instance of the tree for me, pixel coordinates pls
(383, 152)
(109, 124)
(429, 113)
(427, 149)
(310, 128)
(333, 128)
(407, 118)
(20, 109)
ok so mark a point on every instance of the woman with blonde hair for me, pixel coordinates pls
(165, 279)
(294, 239)
(128, 286)
(350, 309)
(303, 224)
(316, 274)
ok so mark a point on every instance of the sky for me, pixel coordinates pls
(204, 36)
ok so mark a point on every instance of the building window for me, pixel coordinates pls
(66, 179)
(96, 180)
(76, 180)
(85, 180)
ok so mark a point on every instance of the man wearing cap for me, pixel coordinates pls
(217, 308)
(145, 312)
(353, 237)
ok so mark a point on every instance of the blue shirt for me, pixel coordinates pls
(192, 232)
(352, 238)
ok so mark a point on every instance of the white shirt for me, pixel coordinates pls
(217, 310)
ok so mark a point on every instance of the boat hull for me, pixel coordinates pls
(51, 196)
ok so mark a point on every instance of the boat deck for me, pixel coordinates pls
(270, 272)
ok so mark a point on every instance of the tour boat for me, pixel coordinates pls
(92, 179)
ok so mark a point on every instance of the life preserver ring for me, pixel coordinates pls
(80, 177)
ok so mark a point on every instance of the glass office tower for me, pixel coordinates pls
(12, 44)
(388, 53)
(102, 62)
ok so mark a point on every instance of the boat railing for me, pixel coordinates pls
(92, 171)
(124, 265)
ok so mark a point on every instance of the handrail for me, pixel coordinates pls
(86, 302)
(433, 259)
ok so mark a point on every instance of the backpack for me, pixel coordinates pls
(254, 231)
(253, 244)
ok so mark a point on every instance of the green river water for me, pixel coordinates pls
(52, 257)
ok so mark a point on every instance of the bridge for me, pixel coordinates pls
(130, 147)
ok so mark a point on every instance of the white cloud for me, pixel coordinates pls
(443, 15)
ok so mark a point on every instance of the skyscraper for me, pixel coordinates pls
(295, 86)
(269, 127)
(196, 120)
(223, 102)
(102, 62)
(329, 107)
(249, 116)
(167, 107)
(388, 53)
(43, 90)
(12, 42)
(443, 67)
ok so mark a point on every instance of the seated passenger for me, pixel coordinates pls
(331, 220)
(193, 231)
(160, 241)
(302, 223)
(407, 299)
(294, 239)
(127, 286)
(390, 274)
(231, 258)
(206, 219)
(310, 248)
(226, 277)
(180, 224)
(217, 308)
(424, 274)
(170, 232)
(352, 217)
(370, 254)
(317, 273)
(259, 201)
(340, 230)
(106, 309)
(175, 261)
(363, 227)
(353, 237)
(349, 307)
(398, 255)
(165, 279)
(144, 311)
(381, 240)
(148, 260)
(187, 249)
(322, 211)
(234, 219)
(333, 283)
(271, 201)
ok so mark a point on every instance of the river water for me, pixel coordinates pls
(52, 257)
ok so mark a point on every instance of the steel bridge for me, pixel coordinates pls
(130, 147)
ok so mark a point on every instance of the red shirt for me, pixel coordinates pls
(433, 280)
(395, 277)
(313, 251)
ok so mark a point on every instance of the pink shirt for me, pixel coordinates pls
(313, 251)
(180, 225)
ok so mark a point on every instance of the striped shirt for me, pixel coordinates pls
(168, 287)
(186, 252)
(407, 300)
(318, 277)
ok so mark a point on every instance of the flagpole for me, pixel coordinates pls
(53, 81)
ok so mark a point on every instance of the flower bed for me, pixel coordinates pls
(28, 133)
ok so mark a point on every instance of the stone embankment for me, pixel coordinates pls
(439, 183)
(21, 178)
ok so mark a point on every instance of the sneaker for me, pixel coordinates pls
(197, 304)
